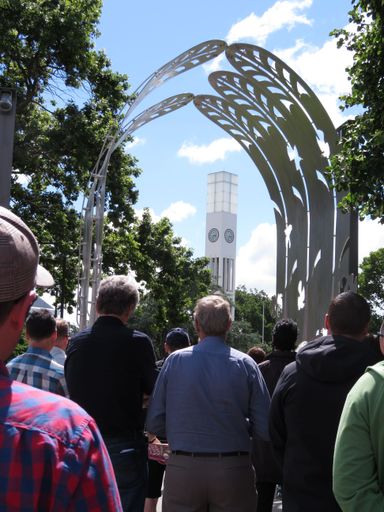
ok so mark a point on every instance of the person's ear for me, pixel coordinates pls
(326, 323)
(21, 308)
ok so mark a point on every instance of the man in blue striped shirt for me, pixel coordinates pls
(209, 399)
(36, 366)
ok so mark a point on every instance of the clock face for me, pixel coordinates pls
(229, 235)
(213, 235)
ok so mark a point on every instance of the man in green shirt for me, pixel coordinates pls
(358, 468)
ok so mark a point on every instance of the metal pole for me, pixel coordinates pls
(262, 327)
(7, 128)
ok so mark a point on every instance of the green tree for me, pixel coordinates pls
(173, 278)
(47, 53)
(358, 168)
(371, 285)
(242, 337)
(255, 307)
(68, 101)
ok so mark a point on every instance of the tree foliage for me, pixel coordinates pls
(68, 101)
(371, 285)
(173, 278)
(359, 166)
(252, 310)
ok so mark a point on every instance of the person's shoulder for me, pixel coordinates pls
(137, 335)
(78, 340)
(241, 356)
(41, 411)
(264, 364)
(288, 375)
(181, 353)
(15, 360)
(373, 376)
(57, 367)
(80, 337)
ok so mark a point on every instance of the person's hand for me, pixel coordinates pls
(152, 439)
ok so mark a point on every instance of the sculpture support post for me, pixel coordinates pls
(7, 128)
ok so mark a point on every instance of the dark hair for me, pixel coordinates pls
(177, 338)
(349, 314)
(284, 334)
(257, 354)
(40, 324)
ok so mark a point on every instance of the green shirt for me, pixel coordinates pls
(358, 469)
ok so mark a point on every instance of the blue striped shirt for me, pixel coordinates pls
(209, 398)
(37, 368)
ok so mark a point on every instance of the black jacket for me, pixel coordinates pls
(305, 412)
(267, 470)
(108, 368)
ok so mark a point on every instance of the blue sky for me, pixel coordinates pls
(177, 151)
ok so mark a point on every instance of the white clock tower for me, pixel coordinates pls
(220, 237)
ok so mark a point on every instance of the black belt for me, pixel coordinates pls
(209, 454)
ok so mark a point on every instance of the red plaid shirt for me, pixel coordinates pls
(52, 457)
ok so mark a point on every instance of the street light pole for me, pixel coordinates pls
(7, 128)
(262, 328)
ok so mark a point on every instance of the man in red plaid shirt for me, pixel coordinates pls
(52, 457)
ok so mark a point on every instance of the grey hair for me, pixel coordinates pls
(116, 294)
(213, 314)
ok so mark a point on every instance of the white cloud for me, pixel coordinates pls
(256, 260)
(216, 150)
(281, 14)
(176, 212)
(137, 141)
(139, 214)
(323, 68)
(256, 29)
(23, 179)
(371, 237)
(179, 211)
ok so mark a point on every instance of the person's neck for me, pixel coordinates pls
(356, 337)
(123, 318)
(42, 344)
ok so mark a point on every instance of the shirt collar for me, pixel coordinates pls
(39, 351)
(213, 340)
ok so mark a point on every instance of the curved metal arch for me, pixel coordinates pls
(91, 236)
(294, 116)
(267, 108)
(268, 152)
(254, 61)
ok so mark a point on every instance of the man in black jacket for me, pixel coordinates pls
(108, 369)
(308, 400)
(268, 472)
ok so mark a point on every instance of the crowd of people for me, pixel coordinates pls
(78, 414)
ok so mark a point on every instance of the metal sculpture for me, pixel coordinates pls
(273, 114)
(90, 249)
(282, 125)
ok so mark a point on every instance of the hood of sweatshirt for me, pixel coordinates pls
(337, 358)
(377, 369)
